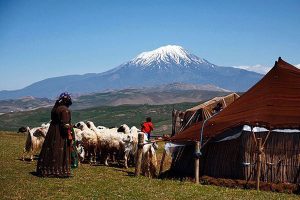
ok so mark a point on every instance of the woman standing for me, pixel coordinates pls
(54, 159)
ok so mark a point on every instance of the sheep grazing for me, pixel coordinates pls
(89, 141)
(110, 142)
(113, 145)
(98, 134)
(122, 142)
(130, 143)
(130, 139)
(35, 139)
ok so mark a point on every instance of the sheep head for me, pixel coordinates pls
(80, 125)
(124, 128)
(22, 129)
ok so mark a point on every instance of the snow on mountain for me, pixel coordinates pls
(165, 57)
(261, 69)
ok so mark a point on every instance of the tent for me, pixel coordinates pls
(269, 110)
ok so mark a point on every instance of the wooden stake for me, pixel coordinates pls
(162, 162)
(139, 154)
(197, 152)
(258, 162)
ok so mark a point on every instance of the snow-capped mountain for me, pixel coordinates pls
(167, 57)
(167, 64)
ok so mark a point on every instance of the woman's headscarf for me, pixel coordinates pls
(65, 99)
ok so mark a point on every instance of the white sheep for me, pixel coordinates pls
(80, 152)
(124, 128)
(78, 134)
(89, 140)
(34, 140)
(110, 142)
(131, 145)
(149, 160)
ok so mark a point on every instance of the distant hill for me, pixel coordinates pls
(107, 116)
(163, 94)
(24, 104)
(164, 65)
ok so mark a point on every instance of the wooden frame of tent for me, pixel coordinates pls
(183, 119)
(278, 158)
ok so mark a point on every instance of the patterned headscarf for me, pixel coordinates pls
(65, 98)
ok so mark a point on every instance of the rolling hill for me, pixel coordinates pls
(163, 94)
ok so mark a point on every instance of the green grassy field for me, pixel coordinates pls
(17, 181)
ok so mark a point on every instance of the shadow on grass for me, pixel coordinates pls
(131, 174)
(169, 175)
(35, 157)
(34, 173)
(26, 160)
(115, 166)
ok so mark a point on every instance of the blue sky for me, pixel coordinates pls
(42, 39)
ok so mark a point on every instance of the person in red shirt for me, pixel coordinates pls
(147, 127)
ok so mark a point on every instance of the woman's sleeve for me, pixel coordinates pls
(65, 118)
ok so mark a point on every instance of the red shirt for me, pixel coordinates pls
(147, 127)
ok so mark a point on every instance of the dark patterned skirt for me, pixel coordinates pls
(54, 159)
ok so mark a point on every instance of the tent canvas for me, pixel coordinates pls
(272, 103)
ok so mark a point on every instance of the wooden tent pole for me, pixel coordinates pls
(258, 162)
(197, 163)
(162, 162)
(139, 154)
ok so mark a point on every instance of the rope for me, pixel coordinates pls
(254, 137)
(266, 139)
(205, 143)
(179, 154)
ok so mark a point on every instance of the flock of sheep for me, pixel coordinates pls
(100, 144)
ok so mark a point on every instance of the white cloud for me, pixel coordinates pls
(259, 68)
(255, 68)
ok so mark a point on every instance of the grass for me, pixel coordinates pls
(100, 182)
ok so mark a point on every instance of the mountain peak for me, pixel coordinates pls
(167, 55)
